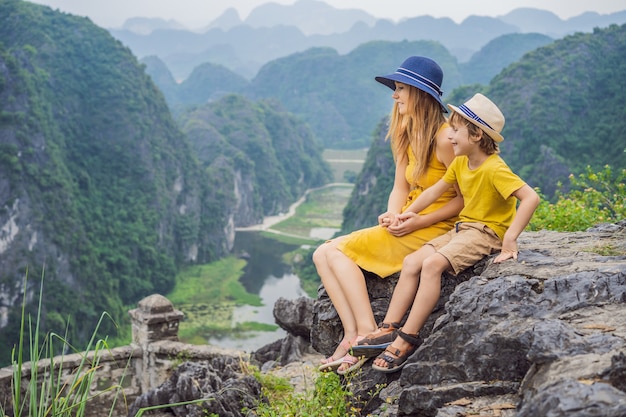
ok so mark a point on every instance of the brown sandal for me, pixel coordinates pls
(372, 345)
(399, 358)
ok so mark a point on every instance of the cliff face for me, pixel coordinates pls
(98, 186)
(101, 193)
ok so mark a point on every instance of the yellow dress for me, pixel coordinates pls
(376, 250)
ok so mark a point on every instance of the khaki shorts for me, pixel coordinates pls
(466, 244)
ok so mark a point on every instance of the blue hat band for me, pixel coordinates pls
(419, 79)
(473, 116)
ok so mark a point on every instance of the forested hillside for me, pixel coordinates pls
(101, 192)
(90, 159)
(499, 54)
(336, 94)
(261, 151)
(564, 107)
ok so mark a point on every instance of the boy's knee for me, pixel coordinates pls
(435, 263)
(411, 263)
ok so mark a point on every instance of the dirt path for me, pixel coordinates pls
(270, 221)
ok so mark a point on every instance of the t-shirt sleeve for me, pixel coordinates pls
(450, 175)
(507, 182)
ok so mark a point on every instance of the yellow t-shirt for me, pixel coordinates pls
(486, 192)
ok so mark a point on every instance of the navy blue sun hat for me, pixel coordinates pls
(420, 72)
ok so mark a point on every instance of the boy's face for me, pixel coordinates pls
(459, 137)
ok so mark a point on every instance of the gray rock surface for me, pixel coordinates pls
(543, 336)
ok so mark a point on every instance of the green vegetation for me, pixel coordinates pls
(113, 198)
(95, 158)
(216, 281)
(319, 210)
(592, 198)
(259, 144)
(499, 53)
(48, 394)
(329, 397)
(207, 294)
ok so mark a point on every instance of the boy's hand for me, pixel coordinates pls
(509, 250)
(406, 223)
(504, 255)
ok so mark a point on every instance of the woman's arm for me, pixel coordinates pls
(413, 221)
(410, 221)
(398, 194)
(445, 155)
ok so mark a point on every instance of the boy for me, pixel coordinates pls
(489, 222)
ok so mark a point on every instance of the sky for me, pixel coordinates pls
(199, 13)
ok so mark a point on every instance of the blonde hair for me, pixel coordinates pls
(417, 128)
(487, 144)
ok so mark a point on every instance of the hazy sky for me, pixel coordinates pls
(198, 13)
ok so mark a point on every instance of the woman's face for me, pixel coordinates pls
(401, 96)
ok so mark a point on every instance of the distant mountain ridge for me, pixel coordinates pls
(336, 94)
(273, 31)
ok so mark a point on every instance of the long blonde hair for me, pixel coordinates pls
(417, 128)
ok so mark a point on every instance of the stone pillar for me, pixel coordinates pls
(155, 319)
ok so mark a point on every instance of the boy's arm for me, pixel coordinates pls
(427, 197)
(529, 200)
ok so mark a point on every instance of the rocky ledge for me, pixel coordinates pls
(543, 336)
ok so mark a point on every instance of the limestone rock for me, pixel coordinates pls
(543, 335)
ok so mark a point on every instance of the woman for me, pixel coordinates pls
(421, 150)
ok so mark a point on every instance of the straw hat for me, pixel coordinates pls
(482, 112)
(420, 72)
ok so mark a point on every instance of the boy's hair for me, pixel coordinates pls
(487, 144)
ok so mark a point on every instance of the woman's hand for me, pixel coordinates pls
(406, 223)
(386, 219)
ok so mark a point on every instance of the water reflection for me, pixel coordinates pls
(267, 276)
(264, 256)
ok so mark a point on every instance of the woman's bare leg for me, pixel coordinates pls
(345, 284)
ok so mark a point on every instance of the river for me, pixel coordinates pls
(268, 276)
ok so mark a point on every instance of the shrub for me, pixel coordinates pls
(593, 198)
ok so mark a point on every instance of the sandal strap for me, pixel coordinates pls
(349, 359)
(391, 359)
(383, 325)
(409, 338)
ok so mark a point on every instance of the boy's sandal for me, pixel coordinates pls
(355, 363)
(399, 358)
(331, 363)
(372, 345)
